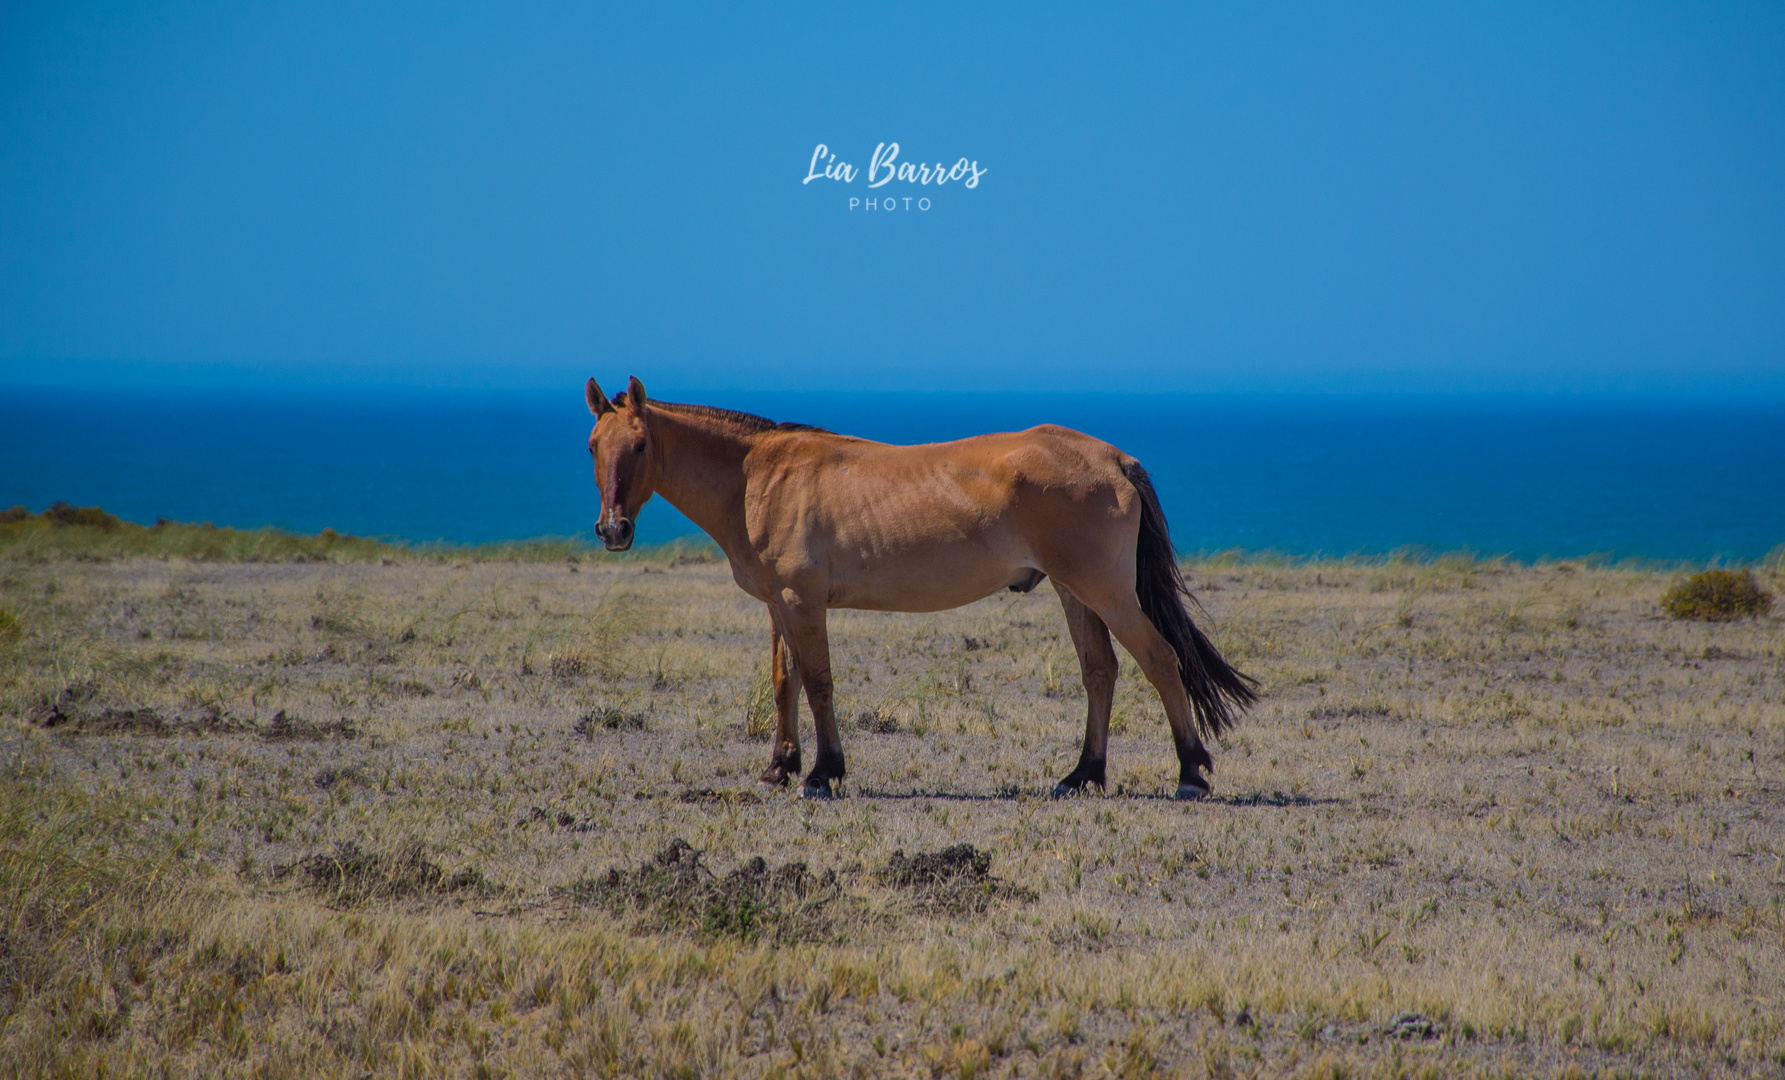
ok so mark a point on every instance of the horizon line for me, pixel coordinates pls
(667, 387)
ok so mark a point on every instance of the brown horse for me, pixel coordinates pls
(811, 521)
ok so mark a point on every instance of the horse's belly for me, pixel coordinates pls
(937, 585)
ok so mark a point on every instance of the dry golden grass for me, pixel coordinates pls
(339, 820)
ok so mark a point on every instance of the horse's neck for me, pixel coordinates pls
(700, 471)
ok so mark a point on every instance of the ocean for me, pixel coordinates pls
(1530, 478)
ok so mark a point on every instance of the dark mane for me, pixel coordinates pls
(748, 421)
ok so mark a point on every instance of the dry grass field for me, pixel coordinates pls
(427, 818)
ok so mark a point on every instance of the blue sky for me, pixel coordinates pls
(1268, 197)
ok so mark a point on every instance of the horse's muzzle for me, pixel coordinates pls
(617, 534)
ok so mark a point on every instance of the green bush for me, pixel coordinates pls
(92, 516)
(88, 533)
(65, 532)
(1717, 596)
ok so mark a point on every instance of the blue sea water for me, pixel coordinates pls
(1529, 478)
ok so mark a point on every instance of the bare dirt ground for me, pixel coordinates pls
(502, 819)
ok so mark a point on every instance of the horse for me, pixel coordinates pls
(810, 520)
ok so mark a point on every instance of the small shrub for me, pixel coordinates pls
(1717, 596)
(92, 516)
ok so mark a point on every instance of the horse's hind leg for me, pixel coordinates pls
(1097, 666)
(1120, 611)
(785, 760)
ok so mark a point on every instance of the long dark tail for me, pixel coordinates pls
(1218, 691)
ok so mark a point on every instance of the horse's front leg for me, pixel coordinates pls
(784, 761)
(803, 624)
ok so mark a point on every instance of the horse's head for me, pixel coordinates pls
(624, 467)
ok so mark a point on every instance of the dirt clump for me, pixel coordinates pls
(876, 723)
(956, 880)
(674, 890)
(1350, 712)
(67, 707)
(349, 875)
(345, 777)
(288, 728)
(563, 819)
(139, 721)
(706, 796)
(1412, 1025)
(77, 709)
(608, 718)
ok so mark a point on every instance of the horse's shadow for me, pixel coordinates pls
(1011, 793)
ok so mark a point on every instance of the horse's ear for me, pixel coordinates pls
(635, 395)
(596, 399)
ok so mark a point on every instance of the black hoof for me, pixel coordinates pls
(829, 770)
(1070, 787)
(1193, 762)
(784, 765)
(1089, 771)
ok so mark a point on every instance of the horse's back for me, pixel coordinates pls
(979, 474)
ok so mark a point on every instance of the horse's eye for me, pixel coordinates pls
(638, 447)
